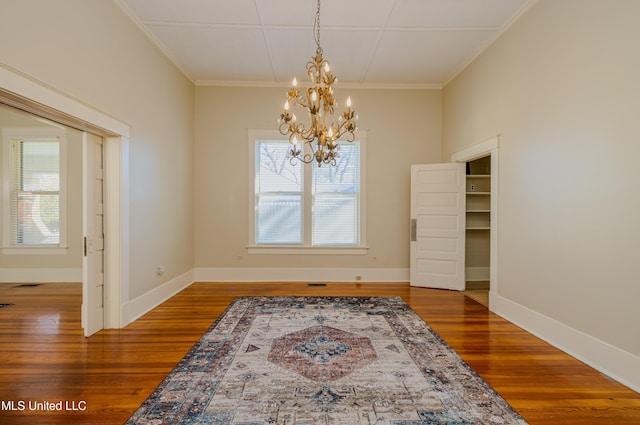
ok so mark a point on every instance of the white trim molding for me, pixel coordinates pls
(41, 275)
(220, 274)
(476, 151)
(307, 250)
(136, 308)
(488, 147)
(29, 89)
(614, 362)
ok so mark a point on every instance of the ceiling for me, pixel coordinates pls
(385, 43)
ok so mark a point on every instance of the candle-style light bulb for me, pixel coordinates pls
(330, 133)
(314, 96)
(294, 140)
(326, 67)
(286, 105)
(294, 82)
(349, 102)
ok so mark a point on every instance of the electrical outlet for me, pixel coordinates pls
(358, 277)
(473, 187)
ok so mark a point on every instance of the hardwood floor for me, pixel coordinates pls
(45, 358)
(479, 295)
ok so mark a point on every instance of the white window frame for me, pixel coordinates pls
(9, 134)
(305, 247)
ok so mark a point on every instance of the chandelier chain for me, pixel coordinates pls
(316, 28)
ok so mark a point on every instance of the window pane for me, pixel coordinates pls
(38, 221)
(335, 219)
(279, 192)
(40, 166)
(274, 172)
(278, 219)
(35, 192)
(345, 176)
(336, 197)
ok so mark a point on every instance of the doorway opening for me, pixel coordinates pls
(45, 208)
(478, 229)
(481, 233)
(29, 96)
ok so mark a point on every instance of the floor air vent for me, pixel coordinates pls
(316, 284)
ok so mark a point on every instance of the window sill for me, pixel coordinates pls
(35, 250)
(306, 250)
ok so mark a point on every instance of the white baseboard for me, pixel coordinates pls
(134, 309)
(11, 275)
(215, 274)
(618, 364)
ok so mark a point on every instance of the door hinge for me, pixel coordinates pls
(414, 229)
(85, 246)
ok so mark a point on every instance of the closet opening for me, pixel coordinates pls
(478, 229)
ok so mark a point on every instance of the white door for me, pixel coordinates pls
(93, 222)
(438, 226)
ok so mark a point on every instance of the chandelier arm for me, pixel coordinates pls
(307, 158)
(284, 128)
(342, 130)
(306, 134)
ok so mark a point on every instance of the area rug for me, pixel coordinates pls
(320, 361)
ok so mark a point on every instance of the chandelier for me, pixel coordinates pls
(321, 135)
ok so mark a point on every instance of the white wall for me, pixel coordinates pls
(403, 128)
(561, 86)
(91, 51)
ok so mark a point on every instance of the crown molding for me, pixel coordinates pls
(364, 86)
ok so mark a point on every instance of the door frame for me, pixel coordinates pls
(31, 96)
(487, 148)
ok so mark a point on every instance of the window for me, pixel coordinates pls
(304, 206)
(34, 198)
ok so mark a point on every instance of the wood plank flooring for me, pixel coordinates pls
(45, 358)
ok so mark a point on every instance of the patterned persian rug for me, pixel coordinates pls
(323, 360)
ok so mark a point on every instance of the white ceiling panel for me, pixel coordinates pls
(348, 52)
(333, 12)
(288, 13)
(453, 13)
(199, 50)
(197, 11)
(386, 42)
(409, 56)
(290, 51)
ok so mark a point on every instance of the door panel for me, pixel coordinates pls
(93, 229)
(438, 226)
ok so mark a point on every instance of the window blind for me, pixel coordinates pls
(35, 192)
(336, 194)
(279, 195)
